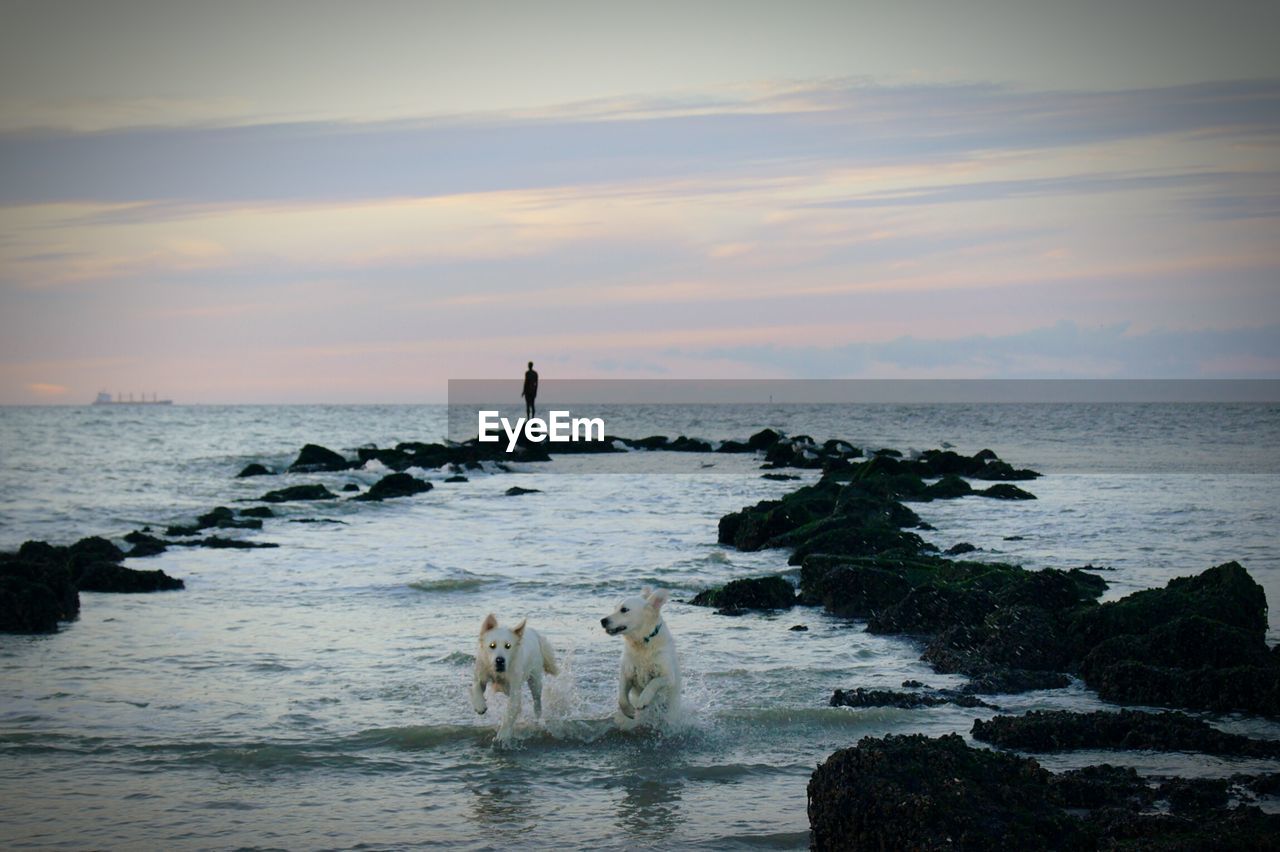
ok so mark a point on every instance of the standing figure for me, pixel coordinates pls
(530, 391)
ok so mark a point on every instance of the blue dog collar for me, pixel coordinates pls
(653, 634)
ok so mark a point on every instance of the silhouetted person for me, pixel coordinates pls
(530, 391)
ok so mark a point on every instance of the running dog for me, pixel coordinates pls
(509, 658)
(650, 674)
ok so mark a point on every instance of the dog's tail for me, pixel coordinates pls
(548, 658)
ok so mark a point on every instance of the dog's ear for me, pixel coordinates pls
(657, 598)
(519, 629)
(490, 622)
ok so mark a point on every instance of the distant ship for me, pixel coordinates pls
(104, 398)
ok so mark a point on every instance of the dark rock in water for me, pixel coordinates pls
(220, 518)
(350, 488)
(298, 492)
(688, 445)
(1061, 730)
(314, 458)
(219, 543)
(1198, 643)
(457, 478)
(912, 792)
(1013, 538)
(653, 442)
(145, 545)
(394, 485)
(93, 549)
(1005, 491)
(747, 594)
(960, 549)
(733, 447)
(860, 697)
(948, 487)
(254, 469)
(913, 684)
(36, 589)
(258, 512)
(516, 491)
(779, 477)
(1196, 795)
(108, 577)
(1007, 681)
(764, 439)
(799, 628)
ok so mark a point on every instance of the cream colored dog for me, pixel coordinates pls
(509, 658)
(650, 673)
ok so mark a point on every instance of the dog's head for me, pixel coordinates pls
(499, 644)
(636, 615)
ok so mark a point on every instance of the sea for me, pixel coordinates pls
(314, 695)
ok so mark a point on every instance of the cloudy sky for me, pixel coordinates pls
(322, 202)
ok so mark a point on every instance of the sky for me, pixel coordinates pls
(337, 202)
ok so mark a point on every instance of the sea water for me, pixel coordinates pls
(313, 696)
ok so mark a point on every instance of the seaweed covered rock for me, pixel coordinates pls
(218, 518)
(736, 596)
(1197, 643)
(394, 485)
(36, 589)
(860, 697)
(314, 458)
(1005, 491)
(145, 545)
(1062, 730)
(109, 577)
(298, 492)
(253, 469)
(913, 792)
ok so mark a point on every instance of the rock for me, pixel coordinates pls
(314, 458)
(1007, 681)
(254, 469)
(1013, 538)
(960, 549)
(516, 491)
(219, 543)
(457, 478)
(764, 439)
(1061, 730)
(749, 594)
(36, 590)
(220, 518)
(108, 577)
(394, 485)
(1005, 491)
(258, 512)
(93, 549)
(350, 488)
(144, 545)
(298, 492)
(779, 477)
(688, 445)
(912, 792)
(948, 487)
(799, 628)
(860, 697)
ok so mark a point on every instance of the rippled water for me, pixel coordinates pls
(314, 695)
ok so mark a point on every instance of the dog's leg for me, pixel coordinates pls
(535, 689)
(650, 690)
(624, 700)
(477, 695)
(513, 710)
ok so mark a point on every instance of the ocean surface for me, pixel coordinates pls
(314, 696)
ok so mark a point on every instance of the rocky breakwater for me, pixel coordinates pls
(1198, 643)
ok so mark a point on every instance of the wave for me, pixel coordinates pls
(462, 581)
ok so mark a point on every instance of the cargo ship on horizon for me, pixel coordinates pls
(105, 398)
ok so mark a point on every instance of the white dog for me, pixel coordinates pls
(650, 673)
(509, 658)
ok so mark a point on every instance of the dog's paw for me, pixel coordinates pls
(480, 711)
(626, 710)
